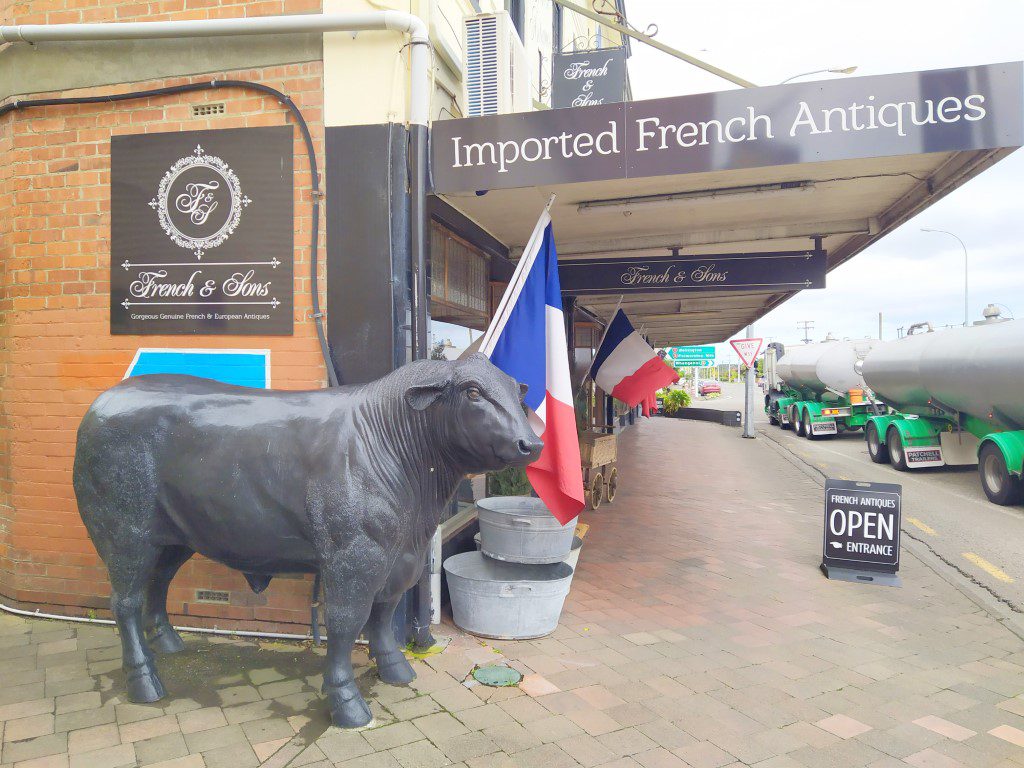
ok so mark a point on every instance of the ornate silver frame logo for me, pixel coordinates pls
(196, 199)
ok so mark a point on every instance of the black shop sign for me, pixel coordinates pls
(945, 110)
(202, 232)
(862, 531)
(787, 270)
(585, 78)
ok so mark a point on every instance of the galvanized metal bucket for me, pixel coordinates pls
(506, 601)
(571, 560)
(522, 530)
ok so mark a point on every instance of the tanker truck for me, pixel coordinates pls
(957, 399)
(815, 388)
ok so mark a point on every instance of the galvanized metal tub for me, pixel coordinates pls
(521, 529)
(571, 560)
(506, 601)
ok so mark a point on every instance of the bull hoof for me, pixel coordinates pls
(393, 668)
(166, 640)
(144, 687)
(348, 710)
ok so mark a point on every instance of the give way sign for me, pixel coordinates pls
(747, 349)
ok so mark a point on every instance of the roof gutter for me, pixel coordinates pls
(396, 21)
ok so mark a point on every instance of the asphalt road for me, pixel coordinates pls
(945, 508)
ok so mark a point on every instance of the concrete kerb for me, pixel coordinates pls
(948, 571)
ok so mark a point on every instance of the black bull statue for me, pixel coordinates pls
(348, 481)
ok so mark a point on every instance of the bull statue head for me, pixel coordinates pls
(476, 411)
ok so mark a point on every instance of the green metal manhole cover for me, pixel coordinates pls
(497, 676)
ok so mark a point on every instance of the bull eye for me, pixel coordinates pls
(473, 393)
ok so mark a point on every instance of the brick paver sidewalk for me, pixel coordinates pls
(698, 632)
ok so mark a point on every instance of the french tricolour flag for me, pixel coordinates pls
(627, 367)
(526, 340)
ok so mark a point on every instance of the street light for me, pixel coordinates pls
(834, 71)
(944, 232)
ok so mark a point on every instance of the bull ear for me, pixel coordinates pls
(422, 396)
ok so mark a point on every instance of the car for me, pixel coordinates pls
(709, 388)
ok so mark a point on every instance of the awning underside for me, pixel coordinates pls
(850, 204)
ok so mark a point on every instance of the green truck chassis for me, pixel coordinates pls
(909, 441)
(816, 417)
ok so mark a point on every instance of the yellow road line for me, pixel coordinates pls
(988, 568)
(923, 526)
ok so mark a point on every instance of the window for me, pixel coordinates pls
(458, 280)
(517, 10)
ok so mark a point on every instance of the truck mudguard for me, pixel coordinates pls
(882, 423)
(785, 402)
(813, 408)
(915, 432)
(1012, 446)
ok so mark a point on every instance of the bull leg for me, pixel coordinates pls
(392, 666)
(129, 574)
(162, 636)
(349, 597)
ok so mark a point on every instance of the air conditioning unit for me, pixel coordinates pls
(497, 78)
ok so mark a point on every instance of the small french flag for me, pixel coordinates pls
(526, 339)
(627, 367)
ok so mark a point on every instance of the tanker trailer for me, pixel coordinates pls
(958, 400)
(815, 388)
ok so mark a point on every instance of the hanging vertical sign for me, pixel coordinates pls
(202, 232)
(585, 78)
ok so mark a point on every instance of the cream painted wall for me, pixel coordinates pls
(366, 78)
(365, 74)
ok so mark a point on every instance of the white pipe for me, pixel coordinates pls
(397, 21)
(200, 630)
(436, 543)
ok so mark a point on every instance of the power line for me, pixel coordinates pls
(806, 326)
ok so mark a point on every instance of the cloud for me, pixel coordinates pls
(909, 275)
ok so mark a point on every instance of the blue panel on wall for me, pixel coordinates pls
(247, 368)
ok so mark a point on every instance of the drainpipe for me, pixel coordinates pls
(419, 113)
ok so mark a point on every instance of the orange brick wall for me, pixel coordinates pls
(56, 351)
(75, 11)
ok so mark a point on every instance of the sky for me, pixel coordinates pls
(915, 276)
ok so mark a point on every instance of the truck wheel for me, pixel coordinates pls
(808, 432)
(794, 419)
(1000, 486)
(877, 450)
(773, 421)
(897, 456)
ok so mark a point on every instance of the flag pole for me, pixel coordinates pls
(598, 347)
(522, 269)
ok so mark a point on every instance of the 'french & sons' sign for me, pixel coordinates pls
(202, 232)
(789, 270)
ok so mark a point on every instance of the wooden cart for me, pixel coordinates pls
(600, 475)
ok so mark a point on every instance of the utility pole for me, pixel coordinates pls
(806, 326)
(748, 402)
(879, 326)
